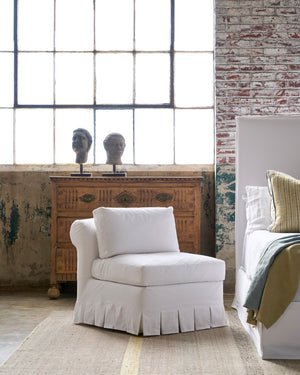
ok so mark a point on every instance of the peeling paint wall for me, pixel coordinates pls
(25, 225)
(225, 220)
(25, 222)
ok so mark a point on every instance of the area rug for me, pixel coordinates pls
(59, 347)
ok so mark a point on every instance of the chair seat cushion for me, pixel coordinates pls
(159, 269)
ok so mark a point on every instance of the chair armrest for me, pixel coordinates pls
(83, 237)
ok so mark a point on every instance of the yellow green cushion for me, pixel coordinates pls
(285, 192)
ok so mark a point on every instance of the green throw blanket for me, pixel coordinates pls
(269, 293)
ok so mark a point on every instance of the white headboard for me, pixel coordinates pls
(262, 143)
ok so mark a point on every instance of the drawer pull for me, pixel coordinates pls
(125, 198)
(87, 198)
(163, 197)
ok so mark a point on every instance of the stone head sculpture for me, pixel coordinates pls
(114, 145)
(81, 144)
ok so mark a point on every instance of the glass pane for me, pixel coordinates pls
(6, 25)
(74, 78)
(34, 136)
(153, 25)
(35, 25)
(193, 79)
(6, 79)
(6, 142)
(74, 25)
(114, 75)
(66, 121)
(194, 25)
(152, 78)
(194, 136)
(35, 84)
(154, 136)
(114, 25)
(114, 121)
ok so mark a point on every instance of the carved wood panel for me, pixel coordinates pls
(65, 261)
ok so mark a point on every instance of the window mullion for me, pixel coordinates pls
(54, 82)
(95, 78)
(172, 101)
(134, 54)
(15, 52)
(134, 82)
(15, 76)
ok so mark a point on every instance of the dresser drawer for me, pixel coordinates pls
(186, 228)
(72, 199)
(77, 199)
(63, 229)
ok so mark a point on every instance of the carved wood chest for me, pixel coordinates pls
(76, 197)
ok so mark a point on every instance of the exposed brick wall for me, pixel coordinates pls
(257, 63)
(257, 59)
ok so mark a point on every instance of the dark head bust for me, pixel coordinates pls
(81, 144)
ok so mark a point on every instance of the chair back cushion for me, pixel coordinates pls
(135, 230)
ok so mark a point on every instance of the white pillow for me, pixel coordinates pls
(135, 230)
(258, 208)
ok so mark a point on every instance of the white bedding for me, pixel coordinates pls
(262, 137)
(254, 244)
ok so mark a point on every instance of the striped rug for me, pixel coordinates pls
(59, 347)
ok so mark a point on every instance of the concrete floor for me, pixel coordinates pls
(21, 312)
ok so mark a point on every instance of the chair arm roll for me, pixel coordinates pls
(83, 237)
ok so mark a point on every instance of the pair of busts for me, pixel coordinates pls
(114, 145)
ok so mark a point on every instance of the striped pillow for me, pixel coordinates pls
(285, 192)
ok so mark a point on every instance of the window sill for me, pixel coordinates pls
(186, 169)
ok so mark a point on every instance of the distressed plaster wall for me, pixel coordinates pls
(25, 212)
(257, 60)
(25, 222)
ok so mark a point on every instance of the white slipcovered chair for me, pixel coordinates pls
(131, 275)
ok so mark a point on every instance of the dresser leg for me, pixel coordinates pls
(53, 291)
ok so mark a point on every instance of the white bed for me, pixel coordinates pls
(264, 143)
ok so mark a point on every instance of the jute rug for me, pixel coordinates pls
(59, 347)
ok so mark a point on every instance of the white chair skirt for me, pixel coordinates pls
(151, 310)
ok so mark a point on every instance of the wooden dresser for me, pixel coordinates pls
(76, 197)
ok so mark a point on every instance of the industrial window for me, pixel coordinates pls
(143, 68)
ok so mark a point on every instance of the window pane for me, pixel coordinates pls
(6, 79)
(35, 84)
(74, 25)
(74, 78)
(34, 136)
(114, 25)
(130, 71)
(114, 74)
(6, 25)
(66, 121)
(6, 141)
(114, 121)
(194, 136)
(154, 136)
(193, 79)
(194, 25)
(152, 25)
(152, 78)
(35, 25)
